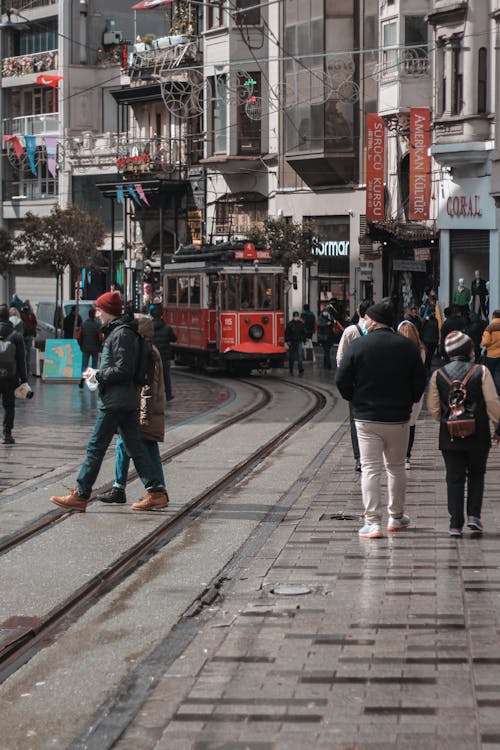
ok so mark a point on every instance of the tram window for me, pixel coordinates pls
(183, 290)
(194, 284)
(232, 292)
(171, 290)
(246, 293)
(212, 290)
(266, 292)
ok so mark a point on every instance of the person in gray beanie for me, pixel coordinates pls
(382, 375)
(12, 370)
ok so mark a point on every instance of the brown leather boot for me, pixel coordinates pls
(152, 501)
(73, 501)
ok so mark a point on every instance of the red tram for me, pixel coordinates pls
(225, 304)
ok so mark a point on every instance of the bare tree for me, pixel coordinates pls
(9, 252)
(67, 238)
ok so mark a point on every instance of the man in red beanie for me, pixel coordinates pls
(118, 403)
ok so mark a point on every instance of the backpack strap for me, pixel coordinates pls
(463, 382)
(359, 330)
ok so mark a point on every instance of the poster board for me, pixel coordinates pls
(63, 360)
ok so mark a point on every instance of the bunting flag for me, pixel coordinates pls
(51, 149)
(142, 194)
(119, 194)
(150, 4)
(16, 144)
(47, 79)
(133, 194)
(30, 141)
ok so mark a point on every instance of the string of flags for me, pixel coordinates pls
(136, 192)
(29, 148)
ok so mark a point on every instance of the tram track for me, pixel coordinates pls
(22, 646)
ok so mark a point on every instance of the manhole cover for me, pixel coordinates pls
(339, 517)
(290, 589)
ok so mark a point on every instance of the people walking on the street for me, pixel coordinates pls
(30, 324)
(475, 329)
(295, 337)
(409, 331)
(411, 314)
(163, 336)
(464, 458)
(12, 371)
(90, 343)
(117, 403)
(151, 427)
(383, 375)
(69, 323)
(491, 342)
(430, 335)
(455, 320)
(351, 333)
(326, 336)
(309, 319)
(16, 320)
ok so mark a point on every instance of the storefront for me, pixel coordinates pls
(329, 273)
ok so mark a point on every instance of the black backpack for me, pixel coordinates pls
(8, 359)
(145, 364)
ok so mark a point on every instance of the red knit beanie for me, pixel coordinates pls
(110, 303)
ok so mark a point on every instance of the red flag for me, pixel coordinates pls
(47, 79)
(150, 4)
(16, 144)
(375, 158)
(420, 163)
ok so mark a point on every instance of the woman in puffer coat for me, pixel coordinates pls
(151, 417)
(491, 342)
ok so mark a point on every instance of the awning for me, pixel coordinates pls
(150, 4)
(245, 196)
(402, 234)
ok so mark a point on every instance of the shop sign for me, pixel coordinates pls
(420, 163)
(466, 204)
(375, 160)
(409, 265)
(463, 205)
(335, 249)
(421, 253)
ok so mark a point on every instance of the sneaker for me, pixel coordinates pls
(8, 439)
(398, 524)
(407, 464)
(73, 501)
(358, 466)
(115, 495)
(371, 531)
(475, 524)
(152, 501)
(455, 533)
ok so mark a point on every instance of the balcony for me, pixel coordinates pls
(30, 190)
(47, 124)
(404, 76)
(23, 65)
(160, 55)
(403, 61)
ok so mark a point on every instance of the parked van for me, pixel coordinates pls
(45, 315)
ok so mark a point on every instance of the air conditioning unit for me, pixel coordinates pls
(111, 37)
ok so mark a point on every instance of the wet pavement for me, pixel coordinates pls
(394, 643)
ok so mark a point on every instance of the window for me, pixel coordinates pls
(40, 38)
(249, 119)
(389, 47)
(482, 81)
(457, 76)
(215, 15)
(250, 17)
(219, 115)
(416, 38)
(440, 76)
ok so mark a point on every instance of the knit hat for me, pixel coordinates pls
(455, 340)
(381, 312)
(110, 303)
(4, 313)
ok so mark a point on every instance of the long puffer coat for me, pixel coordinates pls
(152, 398)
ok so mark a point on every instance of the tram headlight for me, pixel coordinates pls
(256, 332)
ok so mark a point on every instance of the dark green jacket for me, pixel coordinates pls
(117, 390)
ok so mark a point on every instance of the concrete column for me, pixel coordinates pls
(494, 269)
(445, 268)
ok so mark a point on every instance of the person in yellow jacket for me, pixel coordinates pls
(491, 342)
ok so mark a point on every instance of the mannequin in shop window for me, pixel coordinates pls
(461, 295)
(479, 292)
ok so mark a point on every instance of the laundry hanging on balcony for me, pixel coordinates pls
(16, 144)
(150, 4)
(51, 149)
(47, 79)
(30, 141)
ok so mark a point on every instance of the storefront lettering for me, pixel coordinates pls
(463, 205)
(333, 249)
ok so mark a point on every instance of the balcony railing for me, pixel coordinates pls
(23, 65)
(410, 61)
(162, 54)
(31, 190)
(31, 125)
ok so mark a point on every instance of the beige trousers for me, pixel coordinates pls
(382, 443)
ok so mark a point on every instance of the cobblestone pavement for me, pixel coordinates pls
(61, 417)
(396, 645)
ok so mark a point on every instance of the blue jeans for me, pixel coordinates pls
(109, 422)
(123, 462)
(89, 356)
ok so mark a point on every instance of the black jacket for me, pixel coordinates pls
(295, 331)
(382, 375)
(7, 331)
(163, 336)
(430, 331)
(117, 390)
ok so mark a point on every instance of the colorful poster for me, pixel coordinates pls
(63, 360)
(420, 163)
(375, 161)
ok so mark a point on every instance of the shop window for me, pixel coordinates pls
(482, 81)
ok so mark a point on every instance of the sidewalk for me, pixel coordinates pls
(396, 645)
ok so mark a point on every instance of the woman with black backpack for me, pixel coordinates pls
(463, 398)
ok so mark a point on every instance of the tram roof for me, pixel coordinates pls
(193, 267)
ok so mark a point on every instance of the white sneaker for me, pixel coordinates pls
(371, 531)
(398, 524)
(407, 464)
